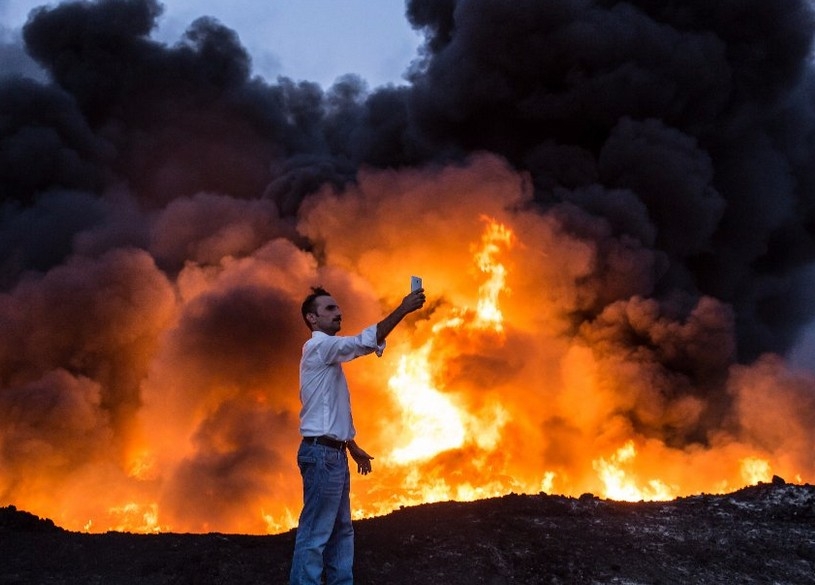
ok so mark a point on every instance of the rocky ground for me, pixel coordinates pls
(760, 534)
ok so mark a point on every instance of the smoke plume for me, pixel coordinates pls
(164, 212)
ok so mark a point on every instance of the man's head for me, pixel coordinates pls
(321, 312)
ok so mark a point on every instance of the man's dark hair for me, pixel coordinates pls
(309, 306)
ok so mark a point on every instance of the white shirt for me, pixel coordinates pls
(324, 395)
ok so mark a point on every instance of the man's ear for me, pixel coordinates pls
(311, 318)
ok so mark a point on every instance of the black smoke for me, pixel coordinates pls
(686, 128)
(703, 110)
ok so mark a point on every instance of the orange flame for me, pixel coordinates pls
(435, 422)
(755, 470)
(617, 484)
(431, 417)
(187, 420)
(488, 311)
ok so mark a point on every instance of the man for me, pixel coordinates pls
(325, 537)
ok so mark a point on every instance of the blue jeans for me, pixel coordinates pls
(325, 537)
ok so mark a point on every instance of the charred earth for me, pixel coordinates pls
(759, 534)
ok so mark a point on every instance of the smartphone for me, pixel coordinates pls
(415, 283)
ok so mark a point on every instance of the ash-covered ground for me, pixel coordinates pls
(760, 534)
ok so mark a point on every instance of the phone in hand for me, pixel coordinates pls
(415, 283)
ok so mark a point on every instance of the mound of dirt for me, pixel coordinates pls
(760, 534)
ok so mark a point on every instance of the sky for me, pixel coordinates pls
(311, 40)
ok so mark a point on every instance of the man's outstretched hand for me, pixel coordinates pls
(362, 459)
(413, 301)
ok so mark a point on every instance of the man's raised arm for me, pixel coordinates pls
(410, 303)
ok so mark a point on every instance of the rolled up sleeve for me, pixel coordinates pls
(369, 340)
(343, 349)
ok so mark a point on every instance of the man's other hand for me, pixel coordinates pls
(362, 459)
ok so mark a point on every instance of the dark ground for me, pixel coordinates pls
(760, 534)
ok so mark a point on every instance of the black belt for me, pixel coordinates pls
(327, 441)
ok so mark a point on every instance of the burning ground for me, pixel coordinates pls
(612, 205)
(760, 534)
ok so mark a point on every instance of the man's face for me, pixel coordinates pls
(327, 316)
